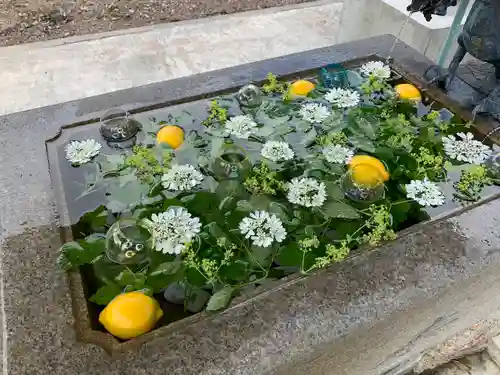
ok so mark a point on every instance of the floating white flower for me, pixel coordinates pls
(425, 192)
(306, 192)
(465, 148)
(338, 154)
(181, 178)
(173, 229)
(242, 126)
(262, 228)
(81, 152)
(314, 112)
(376, 69)
(343, 98)
(277, 151)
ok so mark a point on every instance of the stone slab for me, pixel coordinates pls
(48, 73)
(376, 313)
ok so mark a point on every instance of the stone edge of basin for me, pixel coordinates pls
(311, 317)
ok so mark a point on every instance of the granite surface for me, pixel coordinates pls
(374, 314)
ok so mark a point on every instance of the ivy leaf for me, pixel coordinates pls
(94, 220)
(340, 210)
(167, 268)
(127, 277)
(362, 143)
(290, 256)
(105, 294)
(279, 210)
(333, 190)
(220, 299)
(365, 127)
(76, 254)
(310, 137)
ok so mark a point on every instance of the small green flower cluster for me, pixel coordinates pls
(263, 181)
(210, 268)
(374, 85)
(273, 85)
(145, 160)
(216, 115)
(472, 181)
(308, 244)
(333, 138)
(333, 254)
(427, 161)
(379, 223)
(401, 141)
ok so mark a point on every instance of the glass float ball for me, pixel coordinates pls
(118, 126)
(231, 163)
(493, 164)
(363, 183)
(249, 96)
(127, 242)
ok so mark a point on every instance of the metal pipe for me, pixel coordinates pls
(454, 31)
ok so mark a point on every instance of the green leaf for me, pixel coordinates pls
(279, 210)
(167, 268)
(105, 294)
(362, 143)
(365, 127)
(340, 210)
(76, 254)
(127, 277)
(220, 299)
(333, 190)
(290, 256)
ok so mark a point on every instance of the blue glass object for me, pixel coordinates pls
(445, 115)
(333, 75)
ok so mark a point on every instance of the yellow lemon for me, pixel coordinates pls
(408, 91)
(367, 170)
(172, 135)
(301, 88)
(130, 315)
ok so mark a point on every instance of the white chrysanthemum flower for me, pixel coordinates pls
(306, 192)
(465, 148)
(314, 112)
(262, 228)
(425, 192)
(376, 69)
(343, 98)
(81, 152)
(173, 229)
(242, 126)
(338, 154)
(277, 151)
(181, 178)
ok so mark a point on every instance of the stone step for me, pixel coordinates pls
(46, 73)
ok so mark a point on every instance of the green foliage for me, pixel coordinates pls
(217, 116)
(220, 259)
(472, 181)
(262, 180)
(148, 162)
(274, 86)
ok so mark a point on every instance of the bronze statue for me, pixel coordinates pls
(480, 38)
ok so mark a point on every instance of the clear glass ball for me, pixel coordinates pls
(231, 163)
(118, 126)
(127, 242)
(364, 184)
(249, 96)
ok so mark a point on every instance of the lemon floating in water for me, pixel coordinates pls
(130, 315)
(408, 91)
(172, 135)
(301, 88)
(367, 170)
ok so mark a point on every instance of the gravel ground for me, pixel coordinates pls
(24, 21)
